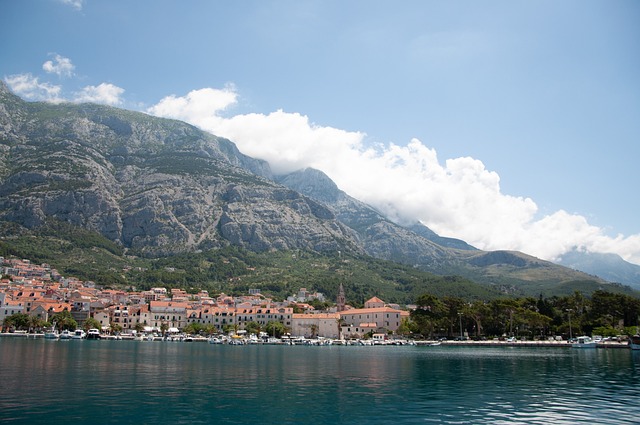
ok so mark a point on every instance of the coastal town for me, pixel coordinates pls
(40, 292)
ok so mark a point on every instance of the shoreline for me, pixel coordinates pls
(528, 344)
(419, 343)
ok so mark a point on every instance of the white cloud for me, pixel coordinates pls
(76, 4)
(458, 199)
(198, 107)
(30, 88)
(104, 93)
(59, 65)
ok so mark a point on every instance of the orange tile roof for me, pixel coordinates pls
(373, 310)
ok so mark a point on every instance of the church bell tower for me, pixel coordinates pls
(341, 301)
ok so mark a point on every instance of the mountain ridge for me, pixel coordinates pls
(159, 187)
(610, 267)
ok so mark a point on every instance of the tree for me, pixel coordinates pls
(193, 328)
(296, 308)
(341, 322)
(91, 323)
(314, 330)
(115, 327)
(478, 312)
(65, 321)
(318, 305)
(253, 327)
(209, 329)
(451, 319)
(275, 329)
(407, 327)
(36, 323)
(18, 321)
(230, 328)
(535, 320)
(428, 315)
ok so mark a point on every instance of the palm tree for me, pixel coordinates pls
(65, 321)
(340, 322)
(36, 323)
(91, 323)
(314, 331)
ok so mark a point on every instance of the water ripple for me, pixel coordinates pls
(122, 381)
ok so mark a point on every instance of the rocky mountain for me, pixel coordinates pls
(153, 185)
(157, 187)
(610, 267)
(420, 246)
(378, 236)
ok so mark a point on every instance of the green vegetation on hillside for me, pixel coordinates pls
(89, 256)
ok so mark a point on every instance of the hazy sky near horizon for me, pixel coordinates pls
(511, 125)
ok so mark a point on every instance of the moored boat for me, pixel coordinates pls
(584, 342)
(634, 342)
(93, 334)
(65, 334)
(78, 334)
(52, 333)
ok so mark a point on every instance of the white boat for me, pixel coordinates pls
(634, 342)
(93, 334)
(584, 342)
(52, 333)
(65, 334)
(78, 334)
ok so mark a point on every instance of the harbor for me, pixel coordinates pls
(182, 383)
(288, 340)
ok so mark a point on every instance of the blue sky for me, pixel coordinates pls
(512, 125)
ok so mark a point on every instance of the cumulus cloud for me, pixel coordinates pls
(104, 93)
(198, 107)
(29, 87)
(459, 198)
(59, 65)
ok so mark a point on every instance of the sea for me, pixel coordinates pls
(144, 382)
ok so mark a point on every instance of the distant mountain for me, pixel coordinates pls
(610, 267)
(419, 246)
(378, 236)
(158, 187)
(425, 232)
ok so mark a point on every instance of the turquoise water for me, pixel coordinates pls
(57, 382)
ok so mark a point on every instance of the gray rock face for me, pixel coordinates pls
(155, 186)
(378, 236)
(608, 266)
(159, 187)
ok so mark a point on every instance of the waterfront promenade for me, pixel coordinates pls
(398, 342)
(528, 344)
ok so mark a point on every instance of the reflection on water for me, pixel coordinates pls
(156, 382)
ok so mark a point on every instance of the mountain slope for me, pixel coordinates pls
(379, 237)
(159, 187)
(608, 266)
(153, 185)
(419, 246)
